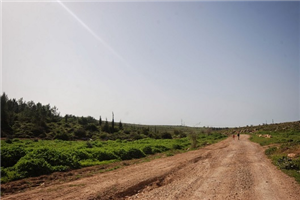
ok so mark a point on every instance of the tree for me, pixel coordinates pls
(113, 122)
(120, 125)
(3, 108)
(100, 121)
(5, 121)
(66, 118)
(106, 126)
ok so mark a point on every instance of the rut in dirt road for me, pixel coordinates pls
(231, 169)
(237, 170)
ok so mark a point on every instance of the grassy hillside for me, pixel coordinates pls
(282, 145)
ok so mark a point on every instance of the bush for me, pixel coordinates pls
(10, 155)
(103, 155)
(147, 150)
(177, 146)
(62, 136)
(166, 135)
(80, 133)
(8, 141)
(33, 167)
(122, 154)
(160, 148)
(135, 153)
(129, 154)
(81, 154)
(287, 163)
(270, 150)
(3, 172)
(54, 157)
(193, 138)
(91, 127)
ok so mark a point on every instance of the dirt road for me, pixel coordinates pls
(231, 169)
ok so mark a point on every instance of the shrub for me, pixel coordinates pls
(135, 153)
(80, 133)
(81, 154)
(160, 148)
(193, 138)
(129, 154)
(270, 150)
(10, 155)
(89, 144)
(33, 166)
(91, 127)
(177, 146)
(166, 135)
(122, 154)
(54, 157)
(147, 150)
(287, 163)
(103, 155)
(8, 141)
(3, 172)
(62, 136)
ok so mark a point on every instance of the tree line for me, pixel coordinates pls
(21, 119)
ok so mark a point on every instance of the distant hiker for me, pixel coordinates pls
(233, 136)
(238, 136)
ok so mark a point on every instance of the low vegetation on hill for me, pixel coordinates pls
(283, 145)
(36, 140)
(21, 119)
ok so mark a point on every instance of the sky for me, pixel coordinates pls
(198, 63)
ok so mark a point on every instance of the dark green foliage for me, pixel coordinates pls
(100, 121)
(160, 148)
(33, 166)
(177, 146)
(288, 163)
(81, 154)
(62, 136)
(91, 127)
(103, 155)
(135, 153)
(80, 133)
(122, 154)
(83, 121)
(54, 157)
(147, 150)
(7, 117)
(129, 154)
(120, 126)
(3, 172)
(8, 141)
(11, 155)
(89, 144)
(166, 135)
(105, 128)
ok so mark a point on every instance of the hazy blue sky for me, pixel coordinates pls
(218, 63)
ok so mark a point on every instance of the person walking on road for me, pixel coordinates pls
(238, 136)
(233, 136)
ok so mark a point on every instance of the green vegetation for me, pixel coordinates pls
(38, 141)
(21, 119)
(26, 158)
(283, 146)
